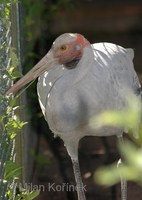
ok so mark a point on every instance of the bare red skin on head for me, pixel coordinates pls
(72, 52)
(82, 40)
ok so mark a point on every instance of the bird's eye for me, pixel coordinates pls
(63, 47)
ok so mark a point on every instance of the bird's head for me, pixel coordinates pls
(67, 49)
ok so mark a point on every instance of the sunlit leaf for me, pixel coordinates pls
(130, 169)
(7, 12)
(11, 69)
(128, 118)
(132, 155)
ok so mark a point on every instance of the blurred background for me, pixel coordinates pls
(46, 160)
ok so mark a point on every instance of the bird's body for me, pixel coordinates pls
(69, 98)
(77, 81)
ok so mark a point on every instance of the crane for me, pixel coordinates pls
(77, 81)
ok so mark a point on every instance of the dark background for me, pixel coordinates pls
(114, 21)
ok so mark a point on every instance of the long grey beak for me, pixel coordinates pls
(45, 64)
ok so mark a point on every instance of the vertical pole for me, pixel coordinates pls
(15, 43)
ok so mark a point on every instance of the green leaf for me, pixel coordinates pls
(132, 155)
(12, 171)
(14, 59)
(26, 195)
(130, 169)
(128, 118)
(16, 74)
(107, 176)
(7, 12)
(2, 118)
(33, 195)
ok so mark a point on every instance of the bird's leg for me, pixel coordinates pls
(123, 184)
(73, 152)
(108, 160)
(79, 185)
(123, 181)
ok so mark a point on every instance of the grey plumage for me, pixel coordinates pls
(69, 98)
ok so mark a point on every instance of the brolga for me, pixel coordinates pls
(77, 81)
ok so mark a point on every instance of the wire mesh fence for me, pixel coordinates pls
(7, 144)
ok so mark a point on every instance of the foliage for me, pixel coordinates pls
(130, 151)
(131, 169)
(10, 123)
(11, 170)
(38, 16)
(27, 195)
(126, 119)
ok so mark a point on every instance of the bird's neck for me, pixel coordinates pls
(84, 64)
(70, 77)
